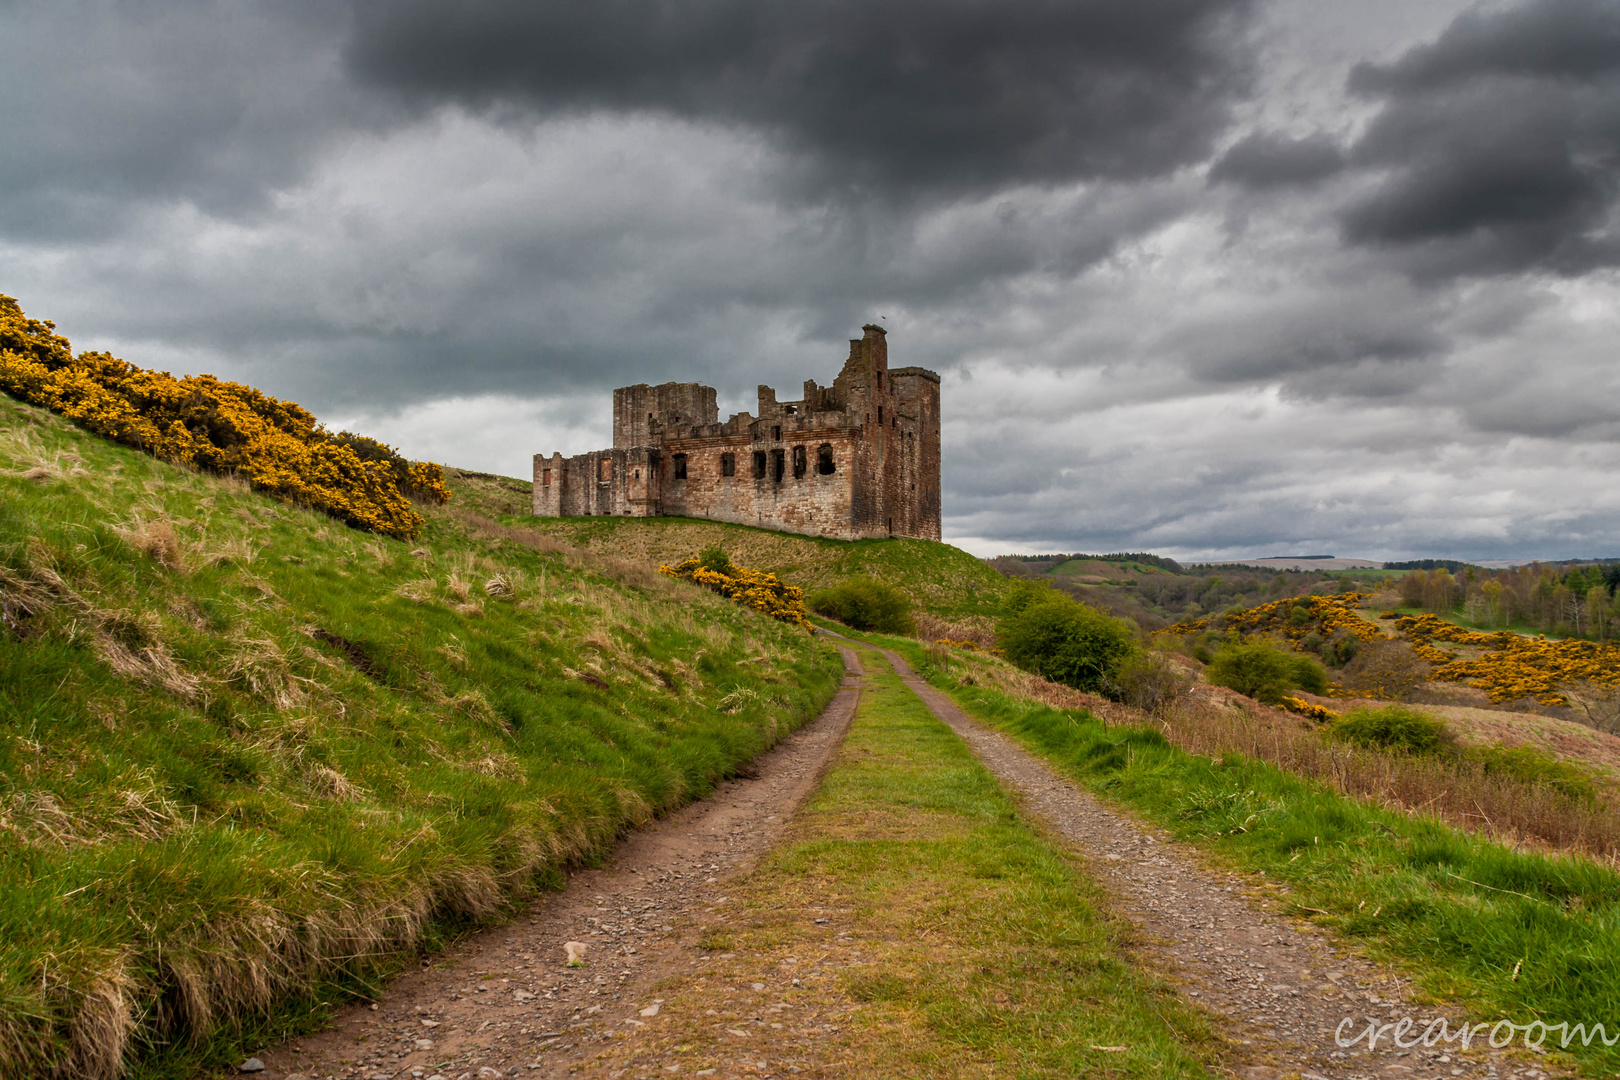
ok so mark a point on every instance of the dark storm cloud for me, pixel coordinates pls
(908, 94)
(1501, 140)
(110, 107)
(1266, 160)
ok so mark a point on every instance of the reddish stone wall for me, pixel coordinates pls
(881, 428)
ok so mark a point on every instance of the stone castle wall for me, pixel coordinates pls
(859, 458)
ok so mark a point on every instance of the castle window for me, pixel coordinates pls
(776, 433)
(790, 410)
(824, 460)
(545, 477)
(604, 470)
(759, 464)
(728, 464)
(778, 465)
(880, 416)
(638, 474)
(680, 466)
(880, 380)
(799, 463)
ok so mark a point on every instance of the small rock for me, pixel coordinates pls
(487, 1073)
(576, 951)
(651, 1010)
(430, 1023)
(522, 995)
(251, 1065)
(758, 987)
(424, 1044)
(295, 1076)
(593, 1010)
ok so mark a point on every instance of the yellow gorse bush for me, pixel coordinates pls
(1513, 666)
(1328, 615)
(201, 421)
(1321, 714)
(757, 589)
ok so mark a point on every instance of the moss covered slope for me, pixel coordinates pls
(246, 752)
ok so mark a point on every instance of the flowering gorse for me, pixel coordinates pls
(1326, 615)
(277, 446)
(1510, 666)
(1319, 713)
(759, 590)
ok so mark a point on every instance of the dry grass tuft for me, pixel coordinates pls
(157, 540)
(979, 629)
(328, 782)
(474, 705)
(419, 591)
(261, 666)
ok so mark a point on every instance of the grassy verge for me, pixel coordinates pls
(911, 925)
(1504, 933)
(250, 759)
(944, 582)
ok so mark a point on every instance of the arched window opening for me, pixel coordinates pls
(824, 460)
(759, 464)
(778, 465)
(799, 463)
(680, 466)
(728, 464)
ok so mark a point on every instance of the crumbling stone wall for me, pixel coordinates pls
(859, 458)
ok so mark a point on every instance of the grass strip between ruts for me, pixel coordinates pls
(1502, 934)
(910, 924)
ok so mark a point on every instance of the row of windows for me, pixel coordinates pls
(772, 464)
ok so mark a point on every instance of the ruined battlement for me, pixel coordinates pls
(856, 459)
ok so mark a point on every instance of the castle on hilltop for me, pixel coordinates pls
(856, 459)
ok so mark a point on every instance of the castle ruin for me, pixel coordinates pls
(856, 459)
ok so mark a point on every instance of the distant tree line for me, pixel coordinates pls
(1579, 600)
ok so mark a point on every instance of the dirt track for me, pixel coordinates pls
(1279, 985)
(504, 1003)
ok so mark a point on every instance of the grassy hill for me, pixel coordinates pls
(943, 581)
(251, 758)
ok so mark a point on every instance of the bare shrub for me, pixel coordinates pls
(1151, 682)
(1385, 669)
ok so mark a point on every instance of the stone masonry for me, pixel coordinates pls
(856, 459)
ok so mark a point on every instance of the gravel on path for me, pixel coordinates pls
(506, 1003)
(1280, 986)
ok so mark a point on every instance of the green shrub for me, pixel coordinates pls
(1531, 765)
(1265, 672)
(1064, 640)
(1394, 728)
(865, 604)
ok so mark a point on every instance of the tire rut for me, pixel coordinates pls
(505, 1003)
(1279, 986)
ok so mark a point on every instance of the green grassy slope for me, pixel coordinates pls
(940, 579)
(247, 753)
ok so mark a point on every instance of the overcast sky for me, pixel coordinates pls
(1209, 278)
